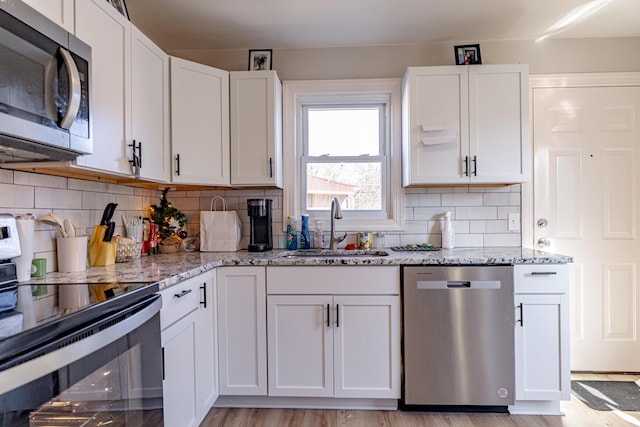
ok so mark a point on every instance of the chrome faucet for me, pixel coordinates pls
(336, 213)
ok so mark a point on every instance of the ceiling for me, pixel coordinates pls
(281, 24)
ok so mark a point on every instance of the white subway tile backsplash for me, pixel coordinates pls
(496, 199)
(477, 213)
(57, 198)
(502, 240)
(431, 214)
(468, 240)
(39, 180)
(17, 196)
(6, 176)
(462, 199)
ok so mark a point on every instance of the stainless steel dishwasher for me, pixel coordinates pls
(458, 348)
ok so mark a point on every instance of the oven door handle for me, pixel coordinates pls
(35, 368)
(75, 90)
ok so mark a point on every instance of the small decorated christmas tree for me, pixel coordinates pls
(168, 219)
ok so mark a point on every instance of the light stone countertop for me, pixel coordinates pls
(169, 269)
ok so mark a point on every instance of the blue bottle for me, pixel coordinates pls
(305, 240)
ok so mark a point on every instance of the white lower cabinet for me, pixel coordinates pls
(543, 376)
(242, 331)
(337, 336)
(188, 347)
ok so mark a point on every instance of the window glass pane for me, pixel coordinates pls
(358, 186)
(350, 131)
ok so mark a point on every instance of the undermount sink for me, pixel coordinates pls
(329, 253)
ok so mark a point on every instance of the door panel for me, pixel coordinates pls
(585, 186)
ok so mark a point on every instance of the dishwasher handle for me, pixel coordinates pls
(457, 284)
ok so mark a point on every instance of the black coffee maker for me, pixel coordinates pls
(261, 236)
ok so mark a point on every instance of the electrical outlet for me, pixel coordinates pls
(514, 221)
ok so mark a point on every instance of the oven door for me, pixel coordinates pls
(105, 373)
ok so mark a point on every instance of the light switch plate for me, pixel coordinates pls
(514, 221)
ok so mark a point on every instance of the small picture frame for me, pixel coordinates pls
(259, 59)
(120, 7)
(467, 54)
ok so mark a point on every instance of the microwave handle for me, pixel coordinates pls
(75, 88)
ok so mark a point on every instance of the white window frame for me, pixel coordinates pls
(297, 94)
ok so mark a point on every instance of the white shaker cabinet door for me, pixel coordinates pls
(542, 347)
(59, 11)
(435, 134)
(256, 128)
(179, 392)
(109, 34)
(499, 124)
(199, 123)
(367, 346)
(150, 108)
(300, 335)
(242, 330)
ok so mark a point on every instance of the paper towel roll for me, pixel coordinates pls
(25, 224)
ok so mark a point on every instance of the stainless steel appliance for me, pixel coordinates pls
(261, 234)
(458, 346)
(99, 364)
(45, 90)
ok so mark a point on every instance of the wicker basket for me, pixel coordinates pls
(128, 251)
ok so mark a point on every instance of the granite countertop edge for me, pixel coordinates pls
(170, 269)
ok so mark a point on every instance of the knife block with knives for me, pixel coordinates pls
(102, 251)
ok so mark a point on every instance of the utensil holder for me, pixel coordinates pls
(101, 253)
(72, 254)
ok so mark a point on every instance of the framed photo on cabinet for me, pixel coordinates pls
(467, 54)
(120, 7)
(259, 59)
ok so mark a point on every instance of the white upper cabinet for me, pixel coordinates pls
(59, 11)
(199, 123)
(150, 109)
(256, 128)
(109, 34)
(465, 125)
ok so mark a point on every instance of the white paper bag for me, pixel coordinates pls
(220, 231)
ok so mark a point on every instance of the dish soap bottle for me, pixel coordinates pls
(447, 232)
(292, 239)
(305, 241)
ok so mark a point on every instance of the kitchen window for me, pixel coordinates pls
(342, 139)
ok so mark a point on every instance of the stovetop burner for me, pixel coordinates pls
(101, 299)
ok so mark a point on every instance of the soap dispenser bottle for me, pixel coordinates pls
(447, 232)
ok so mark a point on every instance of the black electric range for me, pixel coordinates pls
(19, 339)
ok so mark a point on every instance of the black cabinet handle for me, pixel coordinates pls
(136, 160)
(163, 376)
(543, 273)
(475, 166)
(520, 307)
(183, 293)
(177, 164)
(466, 165)
(140, 154)
(337, 315)
(204, 292)
(328, 315)
(270, 167)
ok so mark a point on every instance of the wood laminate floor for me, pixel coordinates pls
(577, 414)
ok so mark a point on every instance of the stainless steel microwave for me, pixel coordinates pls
(45, 88)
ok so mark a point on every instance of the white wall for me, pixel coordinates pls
(548, 56)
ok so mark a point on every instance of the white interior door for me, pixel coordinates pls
(586, 205)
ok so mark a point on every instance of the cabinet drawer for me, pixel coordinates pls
(541, 279)
(178, 301)
(370, 280)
